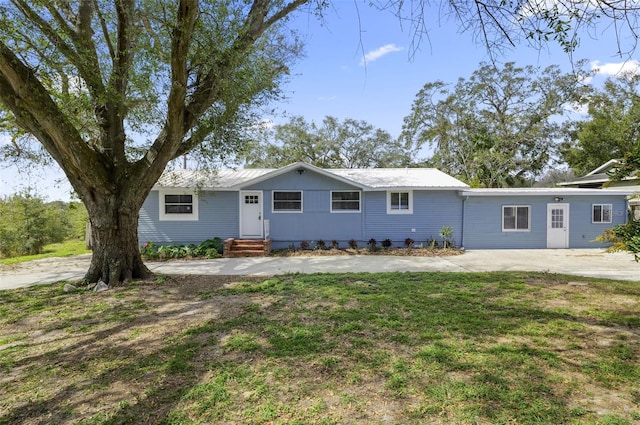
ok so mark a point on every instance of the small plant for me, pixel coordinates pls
(446, 233)
(372, 244)
(353, 244)
(432, 243)
(304, 244)
(334, 244)
(387, 243)
(320, 244)
(409, 242)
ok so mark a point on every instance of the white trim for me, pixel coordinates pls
(163, 216)
(528, 229)
(601, 213)
(273, 201)
(400, 211)
(542, 192)
(358, 211)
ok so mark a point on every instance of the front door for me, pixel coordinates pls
(557, 225)
(251, 214)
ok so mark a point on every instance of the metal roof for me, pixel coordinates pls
(406, 178)
(371, 179)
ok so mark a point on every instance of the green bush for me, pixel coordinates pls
(211, 248)
(624, 237)
(27, 224)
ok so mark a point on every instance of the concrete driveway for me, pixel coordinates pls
(578, 262)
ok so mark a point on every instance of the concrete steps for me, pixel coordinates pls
(235, 248)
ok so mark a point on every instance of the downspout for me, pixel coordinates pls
(464, 218)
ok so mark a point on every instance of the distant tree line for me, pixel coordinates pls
(27, 223)
(504, 126)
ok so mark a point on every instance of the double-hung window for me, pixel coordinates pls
(345, 201)
(601, 213)
(287, 201)
(516, 218)
(178, 206)
(400, 202)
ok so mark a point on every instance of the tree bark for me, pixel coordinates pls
(116, 253)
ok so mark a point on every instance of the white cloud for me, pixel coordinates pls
(616, 68)
(380, 52)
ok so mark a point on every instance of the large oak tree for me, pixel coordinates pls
(113, 90)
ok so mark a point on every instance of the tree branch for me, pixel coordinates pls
(35, 111)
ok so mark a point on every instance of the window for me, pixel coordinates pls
(601, 213)
(345, 201)
(400, 202)
(178, 205)
(287, 201)
(515, 218)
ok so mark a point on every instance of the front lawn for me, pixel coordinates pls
(396, 348)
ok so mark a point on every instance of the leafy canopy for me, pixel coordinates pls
(495, 129)
(333, 144)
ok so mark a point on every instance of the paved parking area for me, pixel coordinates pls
(578, 262)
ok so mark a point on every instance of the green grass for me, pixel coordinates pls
(401, 348)
(63, 249)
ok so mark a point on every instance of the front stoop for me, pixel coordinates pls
(234, 248)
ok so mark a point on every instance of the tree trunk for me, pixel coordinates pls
(116, 254)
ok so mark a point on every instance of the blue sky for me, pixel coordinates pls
(357, 65)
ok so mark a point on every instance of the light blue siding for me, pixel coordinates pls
(217, 217)
(483, 221)
(316, 220)
(432, 210)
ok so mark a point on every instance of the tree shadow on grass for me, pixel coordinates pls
(150, 351)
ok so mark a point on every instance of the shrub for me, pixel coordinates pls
(446, 233)
(353, 244)
(211, 248)
(409, 242)
(372, 244)
(624, 237)
(386, 243)
(320, 244)
(215, 243)
(304, 245)
(334, 244)
(28, 224)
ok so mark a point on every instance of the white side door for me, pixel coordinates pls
(251, 214)
(557, 225)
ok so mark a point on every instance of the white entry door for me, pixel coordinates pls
(251, 214)
(557, 225)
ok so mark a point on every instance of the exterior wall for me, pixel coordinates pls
(483, 221)
(217, 216)
(316, 220)
(432, 210)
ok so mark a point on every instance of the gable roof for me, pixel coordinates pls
(598, 176)
(365, 179)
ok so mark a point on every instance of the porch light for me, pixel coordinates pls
(558, 199)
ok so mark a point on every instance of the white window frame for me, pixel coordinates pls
(602, 208)
(273, 202)
(164, 216)
(331, 201)
(409, 210)
(516, 229)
